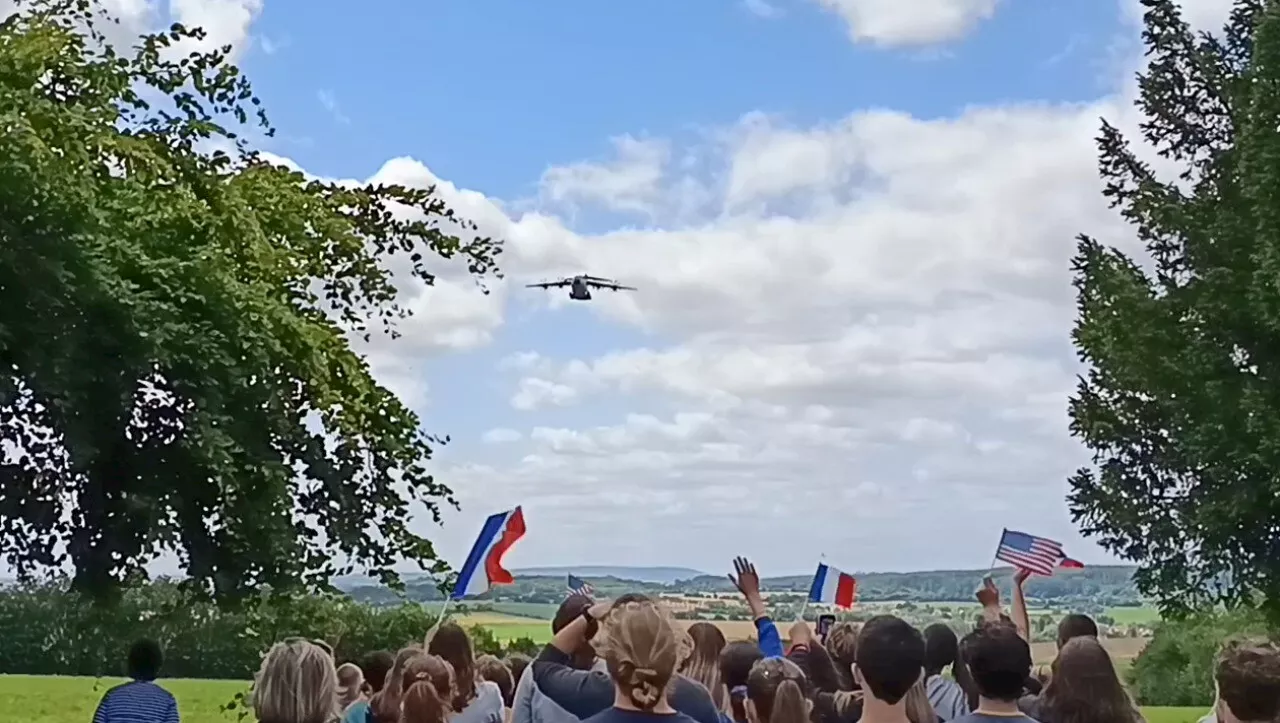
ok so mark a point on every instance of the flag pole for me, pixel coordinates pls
(431, 632)
(996, 555)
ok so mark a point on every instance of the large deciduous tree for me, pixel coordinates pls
(1181, 402)
(176, 324)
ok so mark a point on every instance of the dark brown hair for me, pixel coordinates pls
(376, 666)
(842, 646)
(491, 669)
(736, 661)
(778, 691)
(426, 688)
(453, 644)
(1084, 688)
(704, 664)
(1248, 675)
(517, 662)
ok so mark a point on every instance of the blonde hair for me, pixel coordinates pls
(641, 649)
(297, 683)
(919, 709)
(703, 664)
(350, 684)
(386, 702)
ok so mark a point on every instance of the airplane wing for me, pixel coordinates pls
(607, 284)
(549, 284)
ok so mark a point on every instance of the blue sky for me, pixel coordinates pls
(493, 95)
(492, 92)
(850, 222)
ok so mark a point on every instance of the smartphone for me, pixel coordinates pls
(824, 624)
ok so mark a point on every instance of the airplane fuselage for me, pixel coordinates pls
(578, 290)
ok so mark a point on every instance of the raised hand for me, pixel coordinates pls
(1020, 576)
(989, 594)
(746, 579)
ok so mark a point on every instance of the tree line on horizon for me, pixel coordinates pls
(1095, 587)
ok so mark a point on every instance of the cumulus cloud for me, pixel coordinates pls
(859, 333)
(867, 347)
(226, 22)
(922, 22)
(630, 182)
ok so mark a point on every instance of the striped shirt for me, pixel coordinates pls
(140, 701)
(946, 697)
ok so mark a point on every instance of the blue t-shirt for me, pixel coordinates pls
(357, 712)
(140, 701)
(620, 715)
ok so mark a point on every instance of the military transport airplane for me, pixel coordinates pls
(580, 286)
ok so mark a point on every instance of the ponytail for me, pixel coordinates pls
(789, 704)
(421, 703)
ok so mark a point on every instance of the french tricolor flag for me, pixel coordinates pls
(833, 586)
(483, 568)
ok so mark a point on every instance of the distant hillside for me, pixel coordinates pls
(663, 575)
(1105, 586)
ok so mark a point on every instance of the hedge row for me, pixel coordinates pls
(1176, 667)
(49, 632)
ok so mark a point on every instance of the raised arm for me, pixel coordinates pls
(581, 693)
(989, 596)
(747, 580)
(1019, 609)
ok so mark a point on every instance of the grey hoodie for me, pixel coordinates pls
(529, 705)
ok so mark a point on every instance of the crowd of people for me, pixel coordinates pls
(627, 661)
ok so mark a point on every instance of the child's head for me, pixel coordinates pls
(495, 671)
(999, 660)
(777, 692)
(890, 658)
(736, 661)
(1248, 678)
(350, 684)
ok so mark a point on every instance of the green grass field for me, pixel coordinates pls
(72, 700)
(49, 699)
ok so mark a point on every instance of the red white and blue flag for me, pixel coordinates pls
(833, 587)
(1036, 554)
(483, 568)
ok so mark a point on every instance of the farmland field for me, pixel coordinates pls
(62, 700)
(508, 627)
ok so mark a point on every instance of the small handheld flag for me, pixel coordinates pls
(578, 586)
(1036, 554)
(833, 586)
(483, 568)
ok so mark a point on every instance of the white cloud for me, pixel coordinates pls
(860, 334)
(632, 182)
(225, 22)
(920, 22)
(867, 345)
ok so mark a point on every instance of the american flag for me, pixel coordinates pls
(578, 586)
(1037, 554)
